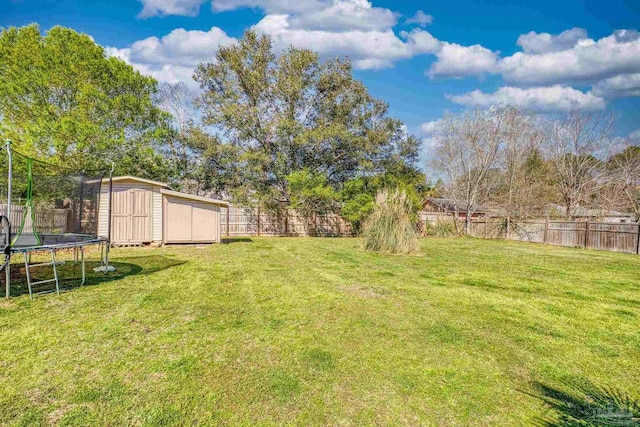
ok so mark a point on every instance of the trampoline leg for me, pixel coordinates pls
(55, 270)
(82, 261)
(26, 270)
(7, 275)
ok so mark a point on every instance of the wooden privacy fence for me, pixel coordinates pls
(618, 237)
(47, 220)
(238, 222)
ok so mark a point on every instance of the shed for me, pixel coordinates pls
(146, 211)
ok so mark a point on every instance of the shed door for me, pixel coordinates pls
(189, 221)
(178, 221)
(131, 215)
(205, 222)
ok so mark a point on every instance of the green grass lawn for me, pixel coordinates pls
(305, 331)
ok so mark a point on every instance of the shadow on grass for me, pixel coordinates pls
(582, 403)
(70, 274)
(228, 240)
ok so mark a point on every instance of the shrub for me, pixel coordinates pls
(390, 228)
(445, 228)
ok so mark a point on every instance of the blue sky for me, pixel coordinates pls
(425, 58)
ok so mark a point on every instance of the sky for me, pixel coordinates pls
(426, 59)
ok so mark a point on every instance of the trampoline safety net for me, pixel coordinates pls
(49, 203)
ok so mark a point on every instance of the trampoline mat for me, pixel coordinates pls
(28, 240)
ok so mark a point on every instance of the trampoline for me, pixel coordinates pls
(47, 209)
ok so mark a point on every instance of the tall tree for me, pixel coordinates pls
(523, 187)
(623, 191)
(62, 99)
(468, 147)
(187, 164)
(292, 118)
(536, 187)
(577, 143)
(518, 141)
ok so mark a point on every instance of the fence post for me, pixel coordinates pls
(315, 225)
(508, 228)
(228, 216)
(486, 227)
(586, 235)
(258, 221)
(638, 242)
(286, 222)
(546, 230)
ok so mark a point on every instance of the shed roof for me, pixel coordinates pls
(138, 179)
(192, 197)
(165, 189)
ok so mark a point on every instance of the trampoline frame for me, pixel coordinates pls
(77, 246)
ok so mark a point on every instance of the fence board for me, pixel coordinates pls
(564, 233)
(614, 237)
(618, 237)
(254, 222)
(47, 220)
(527, 231)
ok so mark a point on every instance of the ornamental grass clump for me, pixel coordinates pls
(391, 228)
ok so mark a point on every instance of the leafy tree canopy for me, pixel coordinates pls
(358, 195)
(63, 100)
(299, 127)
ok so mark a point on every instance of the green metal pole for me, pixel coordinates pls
(9, 190)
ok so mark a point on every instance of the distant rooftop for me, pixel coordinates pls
(453, 205)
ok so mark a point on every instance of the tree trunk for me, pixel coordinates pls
(454, 218)
(467, 224)
(568, 203)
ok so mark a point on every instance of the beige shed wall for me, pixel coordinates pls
(103, 212)
(156, 215)
(187, 220)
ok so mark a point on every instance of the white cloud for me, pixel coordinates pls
(538, 77)
(455, 60)
(421, 42)
(270, 6)
(345, 15)
(368, 49)
(547, 59)
(587, 61)
(420, 18)
(635, 134)
(310, 14)
(192, 7)
(427, 131)
(623, 85)
(611, 64)
(180, 47)
(553, 98)
(354, 28)
(170, 7)
(173, 57)
(428, 128)
(327, 15)
(170, 73)
(536, 43)
(428, 144)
